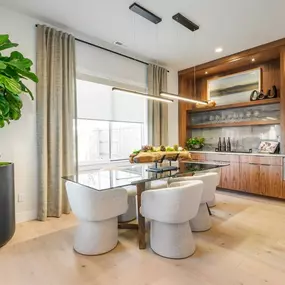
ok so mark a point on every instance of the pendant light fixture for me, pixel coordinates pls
(140, 94)
(154, 19)
(181, 98)
(193, 27)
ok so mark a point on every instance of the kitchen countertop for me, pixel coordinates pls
(237, 153)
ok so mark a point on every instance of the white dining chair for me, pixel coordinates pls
(97, 212)
(212, 203)
(202, 221)
(169, 211)
(131, 213)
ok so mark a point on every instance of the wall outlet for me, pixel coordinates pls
(21, 197)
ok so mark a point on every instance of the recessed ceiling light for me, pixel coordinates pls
(219, 49)
(253, 59)
(206, 72)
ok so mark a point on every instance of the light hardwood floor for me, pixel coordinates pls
(246, 246)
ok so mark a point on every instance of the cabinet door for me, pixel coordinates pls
(198, 156)
(230, 176)
(253, 178)
(244, 176)
(271, 180)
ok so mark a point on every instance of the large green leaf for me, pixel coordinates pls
(4, 106)
(14, 99)
(11, 73)
(2, 122)
(16, 55)
(29, 75)
(22, 67)
(10, 84)
(4, 39)
(14, 113)
(7, 45)
(26, 89)
(2, 65)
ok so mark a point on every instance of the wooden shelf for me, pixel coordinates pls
(235, 124)
(237, 105)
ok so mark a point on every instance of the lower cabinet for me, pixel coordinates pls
(230, 176)
(260, 178)
(271, 180)
(262, 175)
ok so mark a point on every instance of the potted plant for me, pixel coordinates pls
(14, 68)
(195, 143)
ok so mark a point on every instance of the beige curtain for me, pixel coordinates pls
(56, 110)
(157, 112)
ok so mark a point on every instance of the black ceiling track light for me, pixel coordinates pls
(145, 13)
(185, 22)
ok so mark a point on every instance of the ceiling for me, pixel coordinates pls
(233, 25)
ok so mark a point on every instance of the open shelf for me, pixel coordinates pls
(235, 124)
(237, 105)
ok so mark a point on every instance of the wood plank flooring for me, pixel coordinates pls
(246, 246)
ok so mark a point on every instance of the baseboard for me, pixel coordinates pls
(26, 216)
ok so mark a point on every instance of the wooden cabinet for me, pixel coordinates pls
(271, 180)
(230, 175)
(198, 156)
(261, 175)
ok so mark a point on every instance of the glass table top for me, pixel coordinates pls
(133, 174)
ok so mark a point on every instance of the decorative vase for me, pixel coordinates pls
(7, 202)
(197, 146)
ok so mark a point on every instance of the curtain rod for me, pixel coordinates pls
(111, 51)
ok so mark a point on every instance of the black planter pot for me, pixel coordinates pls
(7, 203)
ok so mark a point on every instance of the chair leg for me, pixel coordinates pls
(209, 210)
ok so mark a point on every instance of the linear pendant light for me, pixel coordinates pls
(147, 96)
(177, 97)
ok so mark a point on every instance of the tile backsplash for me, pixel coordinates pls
(242, 138)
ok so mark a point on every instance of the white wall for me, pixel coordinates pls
(18, 140)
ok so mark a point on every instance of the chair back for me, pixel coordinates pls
(209, 180)
(91, 205)
(177, 204)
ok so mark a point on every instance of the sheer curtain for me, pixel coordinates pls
(157, 112)
(56, 113)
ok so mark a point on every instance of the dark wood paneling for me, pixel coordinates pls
(282, 98)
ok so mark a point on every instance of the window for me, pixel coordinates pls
(109, 127)
(102, 141)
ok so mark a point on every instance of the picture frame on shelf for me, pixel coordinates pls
(268, 146)
(234, 88)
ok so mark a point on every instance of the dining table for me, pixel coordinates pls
(139, 175)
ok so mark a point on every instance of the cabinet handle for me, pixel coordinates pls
(266, 164)
(254, 163)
